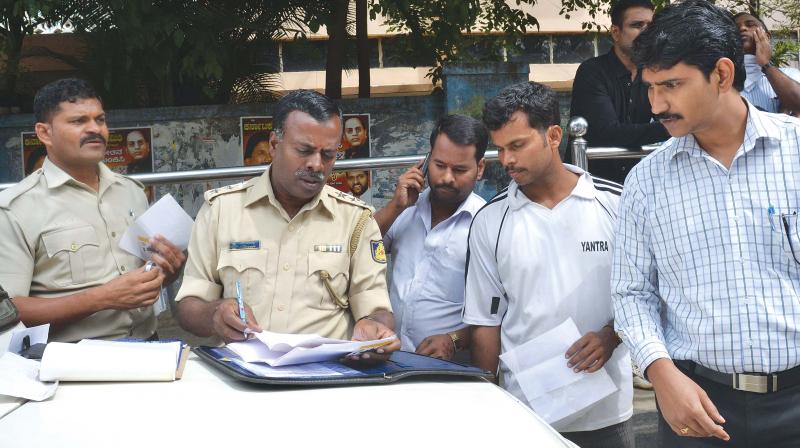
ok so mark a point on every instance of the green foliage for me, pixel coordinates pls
(784, 51)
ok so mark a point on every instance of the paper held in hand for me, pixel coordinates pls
(553, 390)
(165, 218)
(280, 349)
(93, 360)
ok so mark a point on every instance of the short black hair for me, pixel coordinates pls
(618, 9)
(71, 90)
(33, 157)
(758, 19)
(253, 141)
(462, 130)
(319, 106)
(539, 102)
(695, 32)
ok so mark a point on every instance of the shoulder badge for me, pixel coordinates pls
(211, 194)
(7, 196)
(346, 198)
(377, 250)
(138, 184)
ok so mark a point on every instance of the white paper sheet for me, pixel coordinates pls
(38, 335)
(166, 218)
(552, 389)
(110, 361)
(19, 378)
(279, 349)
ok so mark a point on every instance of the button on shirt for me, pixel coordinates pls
(707, 261)
(757, 88)
(530, 268)
(243, 233)
(427, 282)
(59, 237)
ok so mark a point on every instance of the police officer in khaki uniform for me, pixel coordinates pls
(308, 258)
(60, 227)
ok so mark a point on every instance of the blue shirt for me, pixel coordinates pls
(427, 281)
(707, 259)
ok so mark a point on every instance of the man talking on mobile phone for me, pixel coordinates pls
(425, 230)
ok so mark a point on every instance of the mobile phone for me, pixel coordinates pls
(424, 166)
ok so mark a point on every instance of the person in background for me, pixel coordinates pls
(766, 86)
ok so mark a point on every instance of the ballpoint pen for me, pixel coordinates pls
(240, 302)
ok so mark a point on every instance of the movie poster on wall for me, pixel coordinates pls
(255, 140)
(128, 151)
(355, 143)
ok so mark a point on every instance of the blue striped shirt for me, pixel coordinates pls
(757, 88)
(707, 259)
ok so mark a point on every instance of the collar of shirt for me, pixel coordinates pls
(756, 128)
(57, 177)
(753, 71)
(470, 206)
(619, 69)
(262, 188)
(584, 189)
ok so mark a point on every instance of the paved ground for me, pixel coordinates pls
(644, 406)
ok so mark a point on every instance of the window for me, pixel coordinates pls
(304, 55)
(533, 49)
(573, 49)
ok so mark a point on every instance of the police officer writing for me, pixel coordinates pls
(60, 229)
(307, 257)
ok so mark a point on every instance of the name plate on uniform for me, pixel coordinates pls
(245, 245)
(337, 248)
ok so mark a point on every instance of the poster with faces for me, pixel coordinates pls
(255, 132)
(255, 140)
(128, 151)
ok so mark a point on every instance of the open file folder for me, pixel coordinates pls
(399, 366)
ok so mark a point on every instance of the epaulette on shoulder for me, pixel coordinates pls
(138, 184)
(347, 198)
(210, 195)
(8, 195)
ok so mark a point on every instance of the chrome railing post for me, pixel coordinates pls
(577, 128)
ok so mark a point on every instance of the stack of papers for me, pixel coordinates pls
(93, 360)
(280, 349)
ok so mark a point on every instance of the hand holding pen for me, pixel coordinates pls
(233, 319)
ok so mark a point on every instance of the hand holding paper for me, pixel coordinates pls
(165, 218)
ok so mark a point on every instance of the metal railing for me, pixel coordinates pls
(581, 156)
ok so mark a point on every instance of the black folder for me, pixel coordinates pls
(331, 373)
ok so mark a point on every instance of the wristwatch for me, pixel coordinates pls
(454, 337)
(766, 67)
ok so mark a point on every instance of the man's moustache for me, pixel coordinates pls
(93, 138)
(316, 175)
(668, 116)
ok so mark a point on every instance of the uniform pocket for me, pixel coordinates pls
(248, 266)
(336, 267)
(69, 251)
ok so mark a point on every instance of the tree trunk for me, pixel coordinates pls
(337, 34)
(362, 45)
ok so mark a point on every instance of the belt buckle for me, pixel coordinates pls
(754, 383)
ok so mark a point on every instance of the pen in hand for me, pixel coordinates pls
(242, 314)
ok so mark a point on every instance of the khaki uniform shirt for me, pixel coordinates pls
(242, 233)
(60, 237)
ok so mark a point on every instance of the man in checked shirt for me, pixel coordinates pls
(706, 275)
